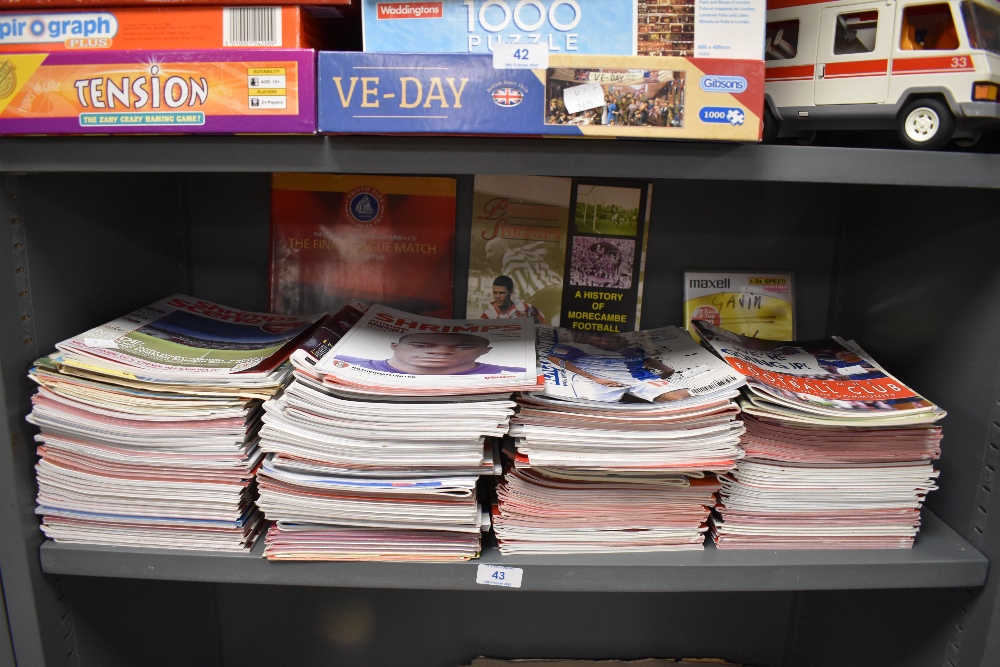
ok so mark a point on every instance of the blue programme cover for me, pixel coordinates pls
(457, 93)
(476, 26)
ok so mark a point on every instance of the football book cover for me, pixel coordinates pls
(379, 239)
(564, 252)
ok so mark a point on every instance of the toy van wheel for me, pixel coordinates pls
(969, 141)
(810, 138)
(770, 133)
(926, 125)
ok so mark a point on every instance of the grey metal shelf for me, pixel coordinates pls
(939, 559)
(714, 161)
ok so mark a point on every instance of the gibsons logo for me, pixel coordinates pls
(364, 206)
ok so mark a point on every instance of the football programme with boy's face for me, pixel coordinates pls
(438, 353)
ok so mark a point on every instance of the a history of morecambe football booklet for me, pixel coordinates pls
(379, 239)
(564, 252)
(392, 349)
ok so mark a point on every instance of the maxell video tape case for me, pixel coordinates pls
(759, 304)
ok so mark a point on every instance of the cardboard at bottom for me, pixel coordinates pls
(127, 92)
(577, 95)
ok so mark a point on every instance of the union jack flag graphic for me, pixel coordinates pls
(507, 97)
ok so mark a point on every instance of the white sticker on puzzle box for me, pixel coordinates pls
(581, 98)
(521, 56)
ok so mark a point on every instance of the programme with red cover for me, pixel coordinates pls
(380, 239)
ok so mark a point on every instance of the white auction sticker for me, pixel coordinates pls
(581, 98)
(498, 575)
(521, 56)
(106, 343)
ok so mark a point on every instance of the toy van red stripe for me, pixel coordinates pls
(857, 68)
(791, 73)
(949, 63)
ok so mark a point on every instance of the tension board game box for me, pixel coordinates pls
(124, 92)
(172, 28)
(700, 28)
(600, 96)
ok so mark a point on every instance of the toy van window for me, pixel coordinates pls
(928, 28)
(983, 26)
(855, 33)
(781, 41)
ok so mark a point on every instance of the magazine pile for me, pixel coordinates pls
(838, 452)
(148, 425)
(376, 446)
(620, 450)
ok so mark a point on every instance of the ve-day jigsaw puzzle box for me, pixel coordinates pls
(601, 96)
(118, 92)
(684, 28)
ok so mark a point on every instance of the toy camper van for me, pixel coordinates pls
(931, 70)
